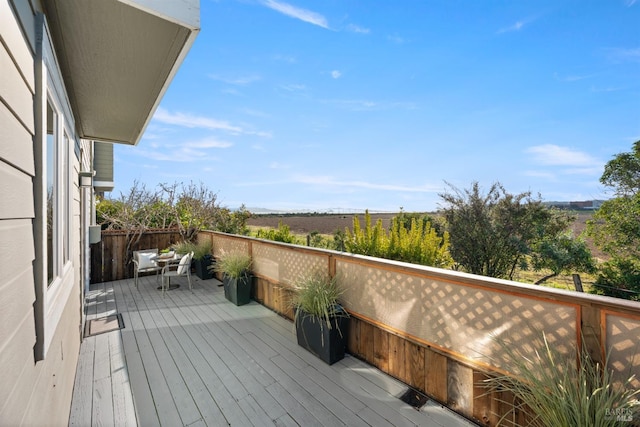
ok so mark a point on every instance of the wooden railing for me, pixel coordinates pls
(434, 329)
(438, 330)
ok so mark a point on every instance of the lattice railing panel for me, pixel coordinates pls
(285, 265)
(466, 320)
(623, 343)
(223, 245)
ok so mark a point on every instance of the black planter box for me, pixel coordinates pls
(238, 291)
(327, 344)
(202, 267)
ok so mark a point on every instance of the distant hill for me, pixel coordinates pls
(328, 211)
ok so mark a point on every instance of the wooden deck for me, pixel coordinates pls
(195, 359)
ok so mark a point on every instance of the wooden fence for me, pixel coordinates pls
(111, 260)
(431, 328)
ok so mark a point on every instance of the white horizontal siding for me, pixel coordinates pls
(13, 36)
(17, 193)
(14, 91)
(16, 143)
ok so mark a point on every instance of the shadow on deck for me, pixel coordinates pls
(194, 359)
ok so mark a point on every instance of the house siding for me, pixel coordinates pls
(31, 392)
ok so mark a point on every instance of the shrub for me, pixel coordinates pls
(280, 234)
(418, 244)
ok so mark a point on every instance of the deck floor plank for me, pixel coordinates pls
(194, 359)
(81, 407)
(123, 408)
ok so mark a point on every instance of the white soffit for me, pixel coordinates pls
(117, 59)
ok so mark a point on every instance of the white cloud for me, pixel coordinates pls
(336, 74)
(629, 3)
(328, 181)
(574, 78)
(293, 87)
(396, 39)
(297, 13)
(193, 121)
(619, 54)
(367, 105)
(277, 165)
(540, 174)
(285, 58)
(357, 29)
(238, 81)
(208, 143)
(189, 151)
(517, 26)
(200, 122)
(555, 155)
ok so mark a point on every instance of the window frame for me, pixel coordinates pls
(52, 295)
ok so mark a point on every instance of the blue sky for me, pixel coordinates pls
(306, 105)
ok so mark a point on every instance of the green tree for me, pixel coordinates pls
(619, 278)
(622, 173)
(615, 227)
(491, 234)
(233, 222)
(562, 254)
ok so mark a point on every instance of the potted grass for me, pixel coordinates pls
(183, 248)
(550, 390)
(202, 259)
(236, 277)
(321, 322)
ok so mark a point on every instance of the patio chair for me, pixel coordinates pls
(144, 262)
(183, 269)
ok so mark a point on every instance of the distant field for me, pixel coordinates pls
(327, 223)
(323, 224)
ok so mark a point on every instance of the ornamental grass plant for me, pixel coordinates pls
(316, 295)
(202, 249)
(233, 264)
(554, 392)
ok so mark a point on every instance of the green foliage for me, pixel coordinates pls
(233, 222)
(280, 234)
(419, 243)
(233, 264)
(554, 392)
(367, 241)
(562, 254)
(622, 173)
(491, 234)
(339, 239)
(317, 240)
(317, 294)
(615, 227)
(619, 278)
(405, 220)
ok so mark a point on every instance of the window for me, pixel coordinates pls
(52, 217)
(55, 140)
(58, 189)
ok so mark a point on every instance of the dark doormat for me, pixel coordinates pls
(414, 398)
(103, 324)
